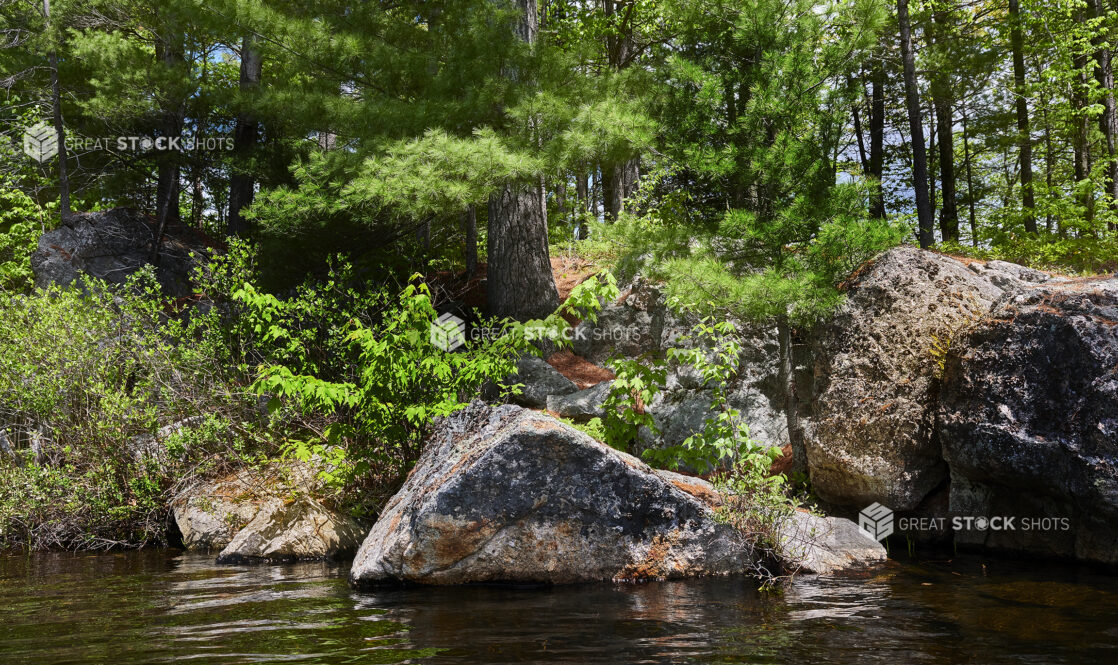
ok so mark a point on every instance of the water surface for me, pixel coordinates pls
(159, 606)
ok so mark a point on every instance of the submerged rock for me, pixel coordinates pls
(1029, 421)
(294, 530)
(877, 374)
(508, 495)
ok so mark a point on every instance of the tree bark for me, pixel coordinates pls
(242, 185)
(59, 128)
(1108, 121)
(949, 213)
(791, 401)
(926, 233)
(970, 183)
(171, 54)
(519, 282)
(469, 231)
(877, 134)
(1082, 130)
(1024, 137)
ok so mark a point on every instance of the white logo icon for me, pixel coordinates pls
(40, 142)
(876, 521)
(448, 332)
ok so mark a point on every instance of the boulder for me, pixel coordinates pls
(112, 245)
(877, 374)
(540, 380)
(1028, 420)
(210, 513)
(509, 495)
(634, 325)
(297, 530)
(582, 405)
(820, 545)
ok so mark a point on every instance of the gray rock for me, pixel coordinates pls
(540, 380)
(582, 405)
(877, 378)
(297, 530)
(111, 246)
(508, 495)
(630, 327)
(821, 545)
(1028, 420)
(211, 512)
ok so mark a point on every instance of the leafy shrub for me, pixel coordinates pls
(1086, 255)
(21, 221)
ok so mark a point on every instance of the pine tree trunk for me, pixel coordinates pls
(970, 183)
(59, 128)
(949, 214)
(171, 53)
(519, 282)
(877, 135)
(1108, 121)
(242, 185)
(791, 401)
(926, 232)
(582, 194)
(1024, 137)
(469, 230)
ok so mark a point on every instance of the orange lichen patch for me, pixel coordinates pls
(579, 370)
(457, 539)
(700, 491)
(657, 563)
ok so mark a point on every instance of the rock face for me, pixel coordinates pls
(877, 374)
(296, 530)
(508, 495)
(111, 246)
(248, 516)
(582, 405)
(1029, 420)
(540, 380)
(820, 545)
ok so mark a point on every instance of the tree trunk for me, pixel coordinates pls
(1082, 130)
(520, 283)
(949, 214)
(1108, 121)
(582, 194)
(932, 129)
(618, 183)
(171, 55)
(926, 233)
(59, 128)
(970, 183)
(242, 185)
(791, 401)
(1024, 137)
(1049, 161)
(877, 134)
(469, 230)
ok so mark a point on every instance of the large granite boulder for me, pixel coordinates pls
(112, 245)
(295, 530)
(877, 373)
(509, 495)
(1028, 420)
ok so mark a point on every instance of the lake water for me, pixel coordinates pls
(158, 606)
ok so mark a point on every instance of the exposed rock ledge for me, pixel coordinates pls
(503, 494)
(258, 516)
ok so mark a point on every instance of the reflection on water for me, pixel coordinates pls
(161, 607)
